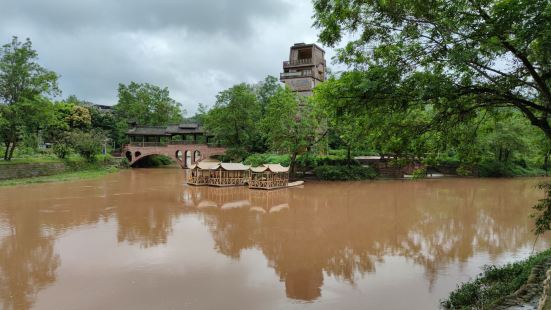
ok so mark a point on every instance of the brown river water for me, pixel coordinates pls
(141, 239)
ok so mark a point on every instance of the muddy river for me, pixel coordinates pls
(141, 239)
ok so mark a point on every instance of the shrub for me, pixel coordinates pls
(494, 169)
(464, 170)
(259, 159)
(493, 284)
(419, 173)
(61, 150)
(154, 161)
(342, 173)
(87, 144)
(124, 163)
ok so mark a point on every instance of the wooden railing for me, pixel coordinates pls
(267, 183)
(227, 181)
(163, 144)
(198, 180)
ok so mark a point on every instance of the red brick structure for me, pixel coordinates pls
(172, 141)
(184, 154)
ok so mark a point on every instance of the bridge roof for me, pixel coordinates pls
(169, 130)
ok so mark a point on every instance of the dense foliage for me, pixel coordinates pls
(29, 116)
(23, 83)
(342, 173)
(452, 57)
(263, 117)
(493, 284)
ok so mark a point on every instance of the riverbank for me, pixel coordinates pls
(515, 284)
(62, 177)
(43, 170)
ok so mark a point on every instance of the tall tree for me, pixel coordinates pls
(144, 104)
(266, 90)
(456, 56)
(147, 104)
(235, 119)
(290, 124)
(23, 83)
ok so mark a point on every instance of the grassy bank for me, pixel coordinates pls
(493, 284)
(65, 176)
(76, 169)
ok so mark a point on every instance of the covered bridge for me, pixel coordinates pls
(185, 143)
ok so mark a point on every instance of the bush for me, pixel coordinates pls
(494, 169)
(154, 161)
(259, 159)
(493, 284)
(87, 144)
(343, 173)
(419, 173)
(61, 150)
(464, 170)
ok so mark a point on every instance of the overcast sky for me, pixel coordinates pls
(196, 48)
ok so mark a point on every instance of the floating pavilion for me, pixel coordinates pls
(199, 173)
(229, 174)
(269, 176)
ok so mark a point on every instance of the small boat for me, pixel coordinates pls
(293, 184)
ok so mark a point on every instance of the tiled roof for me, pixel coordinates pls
(166, 130)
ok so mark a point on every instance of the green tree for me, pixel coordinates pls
(266, 90)
(454, 56)
(147, 104)
(23, 83)
(143, 104)
(87, 143)
(380, 124)
(234, 120)
(290, 124)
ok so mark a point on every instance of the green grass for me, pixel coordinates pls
(31, 160)
(493, 284)
(62, 177)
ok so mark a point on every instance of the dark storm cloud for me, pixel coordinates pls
(195, 48)
(204, 16)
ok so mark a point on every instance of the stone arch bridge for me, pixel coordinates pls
(184, 154)
(172, 141)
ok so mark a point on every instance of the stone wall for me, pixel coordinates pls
(15, 171)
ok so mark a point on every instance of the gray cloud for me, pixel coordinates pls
(196, 48)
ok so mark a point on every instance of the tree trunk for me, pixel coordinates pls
(348, 156)
(293, 164)
(11, 151)
(6, 153)
(546, 163)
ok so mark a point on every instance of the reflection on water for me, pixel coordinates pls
(132, 235)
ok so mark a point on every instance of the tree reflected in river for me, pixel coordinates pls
(344, 229)
(308, 236)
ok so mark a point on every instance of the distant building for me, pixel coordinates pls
(305, 68)
(99, 107)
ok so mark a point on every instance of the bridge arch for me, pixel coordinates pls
(128, 156)
(196, 156)
(188, 159)
(184, 155)
(179, 155)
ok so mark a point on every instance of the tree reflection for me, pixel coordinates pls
(27, 260)
(343, 230)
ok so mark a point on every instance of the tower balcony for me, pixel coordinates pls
(299, 74)
(298, 63)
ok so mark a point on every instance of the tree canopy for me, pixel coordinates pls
(147, 104)
(23, 85)
(457, 56)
